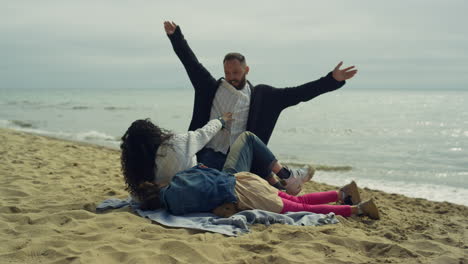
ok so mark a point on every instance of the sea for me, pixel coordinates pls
(411, 142)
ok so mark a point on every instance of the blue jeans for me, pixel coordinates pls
(211, 158)
(248, 153)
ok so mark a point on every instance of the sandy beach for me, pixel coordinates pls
(49, 189)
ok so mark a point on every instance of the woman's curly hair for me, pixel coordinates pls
(139, 147)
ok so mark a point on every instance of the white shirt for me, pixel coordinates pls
(180, 151)
(229, 99)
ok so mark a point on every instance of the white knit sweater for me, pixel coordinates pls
(180, 152)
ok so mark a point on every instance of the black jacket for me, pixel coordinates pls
(266, 102)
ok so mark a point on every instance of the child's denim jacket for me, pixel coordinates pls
(197, 190)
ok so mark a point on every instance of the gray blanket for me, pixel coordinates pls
(232, 226)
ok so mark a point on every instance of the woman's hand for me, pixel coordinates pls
(227, 117)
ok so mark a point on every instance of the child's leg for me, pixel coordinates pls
(312, 198)
(290, 206)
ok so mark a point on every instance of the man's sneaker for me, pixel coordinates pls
(293, 185)
(349, 194)
(297, 178)
(304, 174)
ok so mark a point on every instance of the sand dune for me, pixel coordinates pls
(49, 190)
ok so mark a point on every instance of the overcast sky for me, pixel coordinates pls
(399, 44)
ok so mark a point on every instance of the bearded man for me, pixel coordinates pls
(255, 108)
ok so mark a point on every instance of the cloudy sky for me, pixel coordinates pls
(400, 44)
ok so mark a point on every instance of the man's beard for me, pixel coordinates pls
(240, 84)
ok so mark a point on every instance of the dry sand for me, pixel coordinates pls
(49, 189)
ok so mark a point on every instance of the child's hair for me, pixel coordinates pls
(149, 196)
(139, 147)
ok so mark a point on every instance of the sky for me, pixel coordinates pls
(398, 44)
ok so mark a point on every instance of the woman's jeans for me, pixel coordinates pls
(249, 153)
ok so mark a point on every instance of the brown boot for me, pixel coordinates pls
(368, 208)
(349, 194)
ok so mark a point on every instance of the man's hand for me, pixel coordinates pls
(345, 74)
(170, 27)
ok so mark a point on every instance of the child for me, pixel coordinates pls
(202, 189)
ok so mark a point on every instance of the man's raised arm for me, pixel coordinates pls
(198, 74)
(333, 80)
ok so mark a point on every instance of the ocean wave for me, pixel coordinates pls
(333, 168)
(16, 124)
(23, 102)
(113, 108)
(80, 107)
(42, 105)
(319, 167)
(22, 124)
(94, 135)
(4, 123)
(91, 136)
(108, 108)
(63, 105)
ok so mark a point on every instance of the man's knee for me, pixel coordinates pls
(246, 135)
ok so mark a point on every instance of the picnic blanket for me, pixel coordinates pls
(233, 226)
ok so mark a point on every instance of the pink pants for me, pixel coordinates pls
(314, 202)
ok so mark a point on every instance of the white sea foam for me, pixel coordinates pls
(4, 123)
(16, 124)
(91, 136)
(417, 190)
